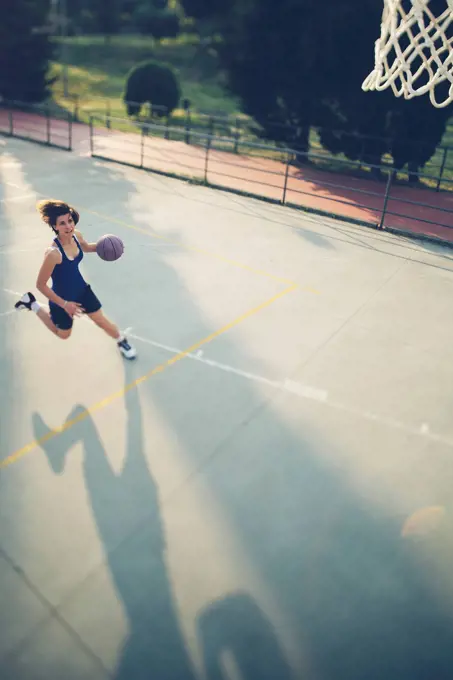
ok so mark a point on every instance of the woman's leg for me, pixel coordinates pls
(45, 317)
(113, 331)
(29, 302)
(92, 306)
(103, 322)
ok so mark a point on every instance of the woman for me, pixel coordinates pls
(70, 295)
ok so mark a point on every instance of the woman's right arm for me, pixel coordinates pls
(51, 258)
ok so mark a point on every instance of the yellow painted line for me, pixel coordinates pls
(20, 453)
(201, 251)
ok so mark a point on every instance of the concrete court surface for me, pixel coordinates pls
(266, 492)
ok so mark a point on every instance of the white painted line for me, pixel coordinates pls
(173, 350)
(17, 198)
(239, 372)
(287, 386)
(11, 292)
(306, 392)
(423, 430)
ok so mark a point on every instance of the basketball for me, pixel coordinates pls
(109, 247)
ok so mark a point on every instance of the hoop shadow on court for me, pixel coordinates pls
(256, 656)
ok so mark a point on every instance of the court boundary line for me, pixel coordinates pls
(160, 368)
(305, 391)
(12, 199)
(287, 385)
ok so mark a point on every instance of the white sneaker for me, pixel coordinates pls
(25, 302)
(126, 349)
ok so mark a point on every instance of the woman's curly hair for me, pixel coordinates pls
(50, 210)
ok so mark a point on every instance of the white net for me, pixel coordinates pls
(414, 54)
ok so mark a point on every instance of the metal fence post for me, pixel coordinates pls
(286, 178)
(188, 125)
(11, 124)
(91, 136)
(442, 168)
(76, 107)
(237, 135)
(69, 131)
(48, 123)
(142, 146)
(206, 160)
(387, 196)
(362, 153)
(107, 114)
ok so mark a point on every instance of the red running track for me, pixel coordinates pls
(336, 194)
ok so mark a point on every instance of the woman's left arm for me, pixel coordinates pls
(86, 247)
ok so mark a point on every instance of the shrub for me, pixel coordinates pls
(152, 82)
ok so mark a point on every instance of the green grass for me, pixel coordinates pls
(97, 72)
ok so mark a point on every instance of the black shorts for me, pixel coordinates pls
(62, 320)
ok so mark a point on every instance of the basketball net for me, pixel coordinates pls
(414, 54)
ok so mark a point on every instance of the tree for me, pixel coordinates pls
(206, 9)
(25, 50)
(152, 82)
(298, 63)
(158, 22)
(416, 129)
(107, 16)
(211, 16)
(288, 60)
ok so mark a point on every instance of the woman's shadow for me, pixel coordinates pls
(154, 647)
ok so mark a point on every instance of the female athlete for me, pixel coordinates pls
(69, 295)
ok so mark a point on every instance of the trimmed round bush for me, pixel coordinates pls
(153, 82)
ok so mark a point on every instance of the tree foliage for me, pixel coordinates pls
(107, 16)
(291, 61)
(25, 50)
(151, 82)
(158, 22)
(298, 63)
(206, 9)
